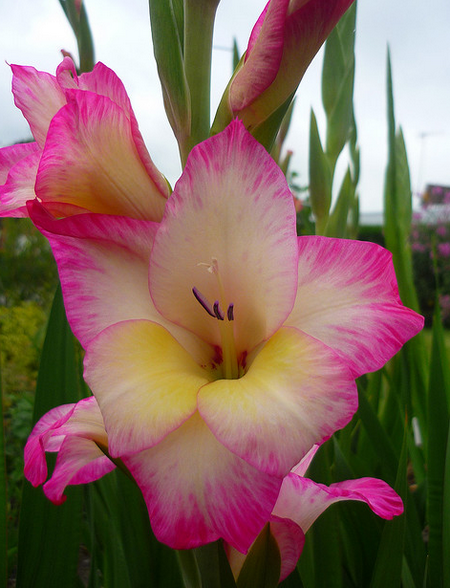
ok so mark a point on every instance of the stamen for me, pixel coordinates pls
(229, 365)
(199, 297)
(219, 314)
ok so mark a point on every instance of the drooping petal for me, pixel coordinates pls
(229, 231)
(146, 384)
(82, 420)
(34, 453)
(91, 161)
(39, 97)
(197, 491)
(263, 57)
(79, 461)
(295, 393)
(348, 298)
(303, 500)
(290, 539)
(18, 167)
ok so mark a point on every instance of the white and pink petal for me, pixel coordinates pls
(348, 298)
(296, 392)
(79, 461)
(104, 82)
(82, 420)
(303, 500)
(12, 154)
(145, 382)
(197, 491)
(229, 232)
(91, 161)
(38, 95)
(18, 188)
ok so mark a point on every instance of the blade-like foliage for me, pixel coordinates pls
(49, 535)
(438, 430)
(77, 16)
(388, 565)
(3, 500)
(261, 568)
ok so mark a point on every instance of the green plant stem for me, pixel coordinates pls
(198, 33)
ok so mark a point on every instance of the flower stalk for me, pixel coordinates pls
(198, 33)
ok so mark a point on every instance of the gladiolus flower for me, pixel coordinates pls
(88, 153)
(283, 42)
(219, 346)
(301, 501)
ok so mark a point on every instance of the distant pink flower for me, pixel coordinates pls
(219, 346)
(301, 501)
(88, 153)
(419, 247)
(444, 249)
(441, 230)
(444, 303)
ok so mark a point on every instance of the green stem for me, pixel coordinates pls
(321, 225)
(199, 18)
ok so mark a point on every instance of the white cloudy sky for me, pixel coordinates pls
(32, 32)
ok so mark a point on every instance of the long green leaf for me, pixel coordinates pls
(446, 514)
(49, 535)
(332, 70)
(215, 571)
(320, 178)
(189, 568)
(325, 531)
(337, 223)
(337, 86)
(78, 20)
(397, 203)
(378, 437)
(397, 225)
(3, 500)
(166, 19)
(388, 565)
(261, 568)
(438, 427)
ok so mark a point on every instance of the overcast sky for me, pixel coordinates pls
(32, 32)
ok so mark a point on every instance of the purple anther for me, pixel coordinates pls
(219, 314)
(230, 312)
(200, 298)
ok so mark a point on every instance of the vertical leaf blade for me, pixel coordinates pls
(3, 500)
(49, 535)
(438, 426)
(389, 562)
